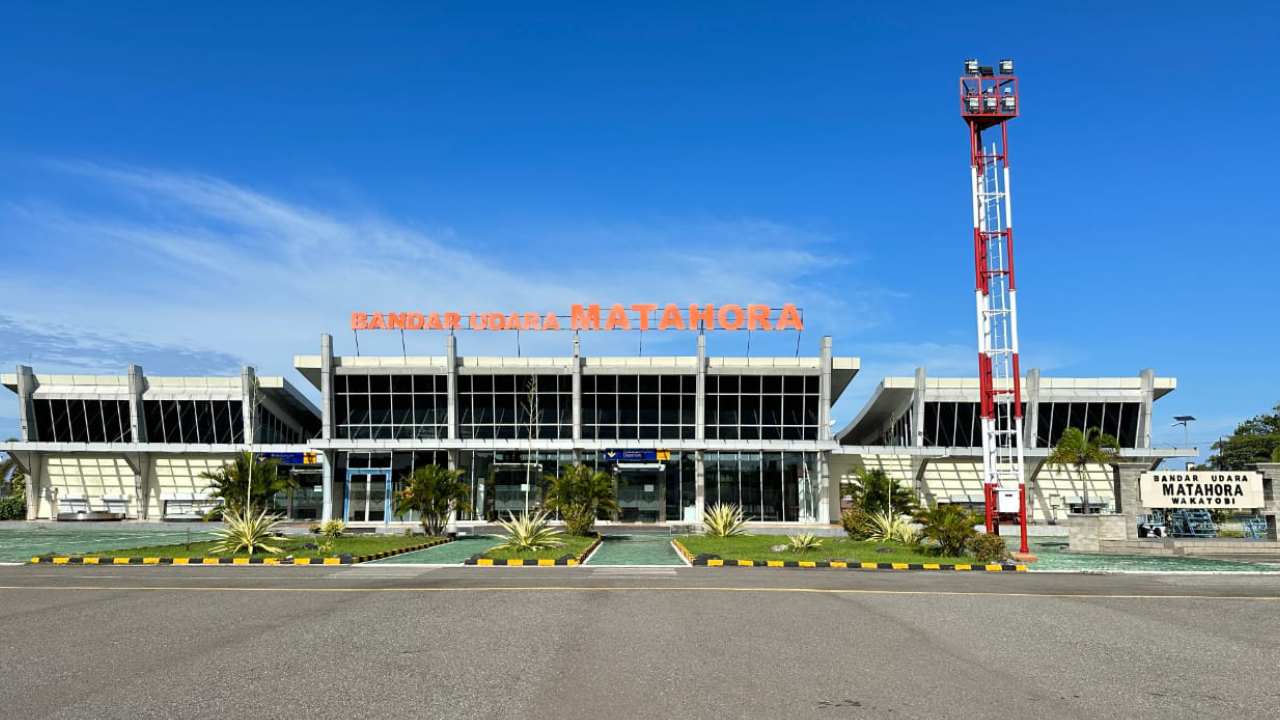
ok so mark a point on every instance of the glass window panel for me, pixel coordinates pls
(771, 410)
(627, 383)
(729, 384)
(793, 384)
(649, 411)
(772, 496)
(401, 383)
(93, 421)
(750, 412)
(187, 420)
(379, 384)
(751, 480)
(628, 409)
(357, 383)
(482, 383)
(648, 383)
(606, 383)
(111, 420)
(750, 384)
(505, 383)
(771, 384)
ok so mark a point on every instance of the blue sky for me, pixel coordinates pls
(199, 188)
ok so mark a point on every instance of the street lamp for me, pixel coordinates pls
(1185, 421)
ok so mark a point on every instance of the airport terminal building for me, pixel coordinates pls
(678, 434)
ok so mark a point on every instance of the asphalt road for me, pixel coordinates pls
(383, 641)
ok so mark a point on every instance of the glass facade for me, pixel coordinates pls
(390, 407)
(762, 407)
(959, 424)
(194, 421)
(770, 486)
(506, 407)
(639, 407)
(81, 420)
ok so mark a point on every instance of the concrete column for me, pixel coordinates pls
(143, 484)
(824, 390)
(451, 367)
(26, 410)
(1031, 418)
(700, 404)
(248, 395)
(326, 390)
(1148, 398)
(326, 485)
(1128, 502)
(30, 464)
(828, 490)
(1270, 497)
(577, 394)
(699, 485)
(137, 419)
(917, 408)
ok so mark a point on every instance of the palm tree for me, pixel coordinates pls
(434, 493)
(579, 494)
(244, 478)
(1079, 448)
(11, 475)
(875, 492)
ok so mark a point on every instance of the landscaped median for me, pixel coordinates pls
(295, 550)
(837, 553)
(574, 551)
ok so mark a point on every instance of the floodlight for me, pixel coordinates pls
(971, 66)
(990, 104)
(1009, 103)
(1006, 67)
(974, 104)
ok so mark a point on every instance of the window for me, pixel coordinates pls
(81, 420)
(514, 406)
(756, 407)
(386, 407)
(638, 407)
(194, 421)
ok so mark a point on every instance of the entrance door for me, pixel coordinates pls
(368, 492)
(641, 493)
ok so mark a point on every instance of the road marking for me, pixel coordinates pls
(631, 571)
(655, 588)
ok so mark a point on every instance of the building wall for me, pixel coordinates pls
(1049, 492)
(180, 475)
(89, 476)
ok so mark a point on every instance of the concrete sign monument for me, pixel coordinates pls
(1211, 489)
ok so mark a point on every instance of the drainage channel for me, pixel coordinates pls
(636, 549)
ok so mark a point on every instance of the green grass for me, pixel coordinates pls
(292, 545)
(759, 547)
(573, 545)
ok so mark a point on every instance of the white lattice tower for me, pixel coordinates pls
(988, 100)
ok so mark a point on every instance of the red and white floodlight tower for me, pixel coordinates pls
(989, 99)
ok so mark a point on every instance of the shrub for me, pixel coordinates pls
(250, 533)
(528, 532)
(950, 526)
(985, 547)
(13, 507)
(893, 528)
(332, 529)
(579, 494)
(856, 524)
(724, 520)
(804, 542)
(435, 493)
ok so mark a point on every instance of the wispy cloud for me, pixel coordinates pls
(197, 263)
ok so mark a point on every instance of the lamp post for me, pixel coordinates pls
(1185, 421)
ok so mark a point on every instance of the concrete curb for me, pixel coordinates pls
(190, 561)
(714, 561)
(482, 561)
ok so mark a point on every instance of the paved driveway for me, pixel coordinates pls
(616, 642)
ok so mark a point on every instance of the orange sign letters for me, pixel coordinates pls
(638, 316)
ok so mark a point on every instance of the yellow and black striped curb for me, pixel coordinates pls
(135, 560)
(713, 561)
(482, 561)
(121, 560)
